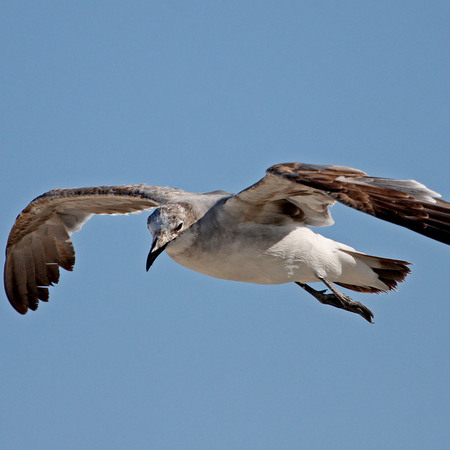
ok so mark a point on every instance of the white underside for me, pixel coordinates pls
(269, 254)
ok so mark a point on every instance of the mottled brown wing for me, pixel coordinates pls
(276, 196)
(403, 202)
(39, 242)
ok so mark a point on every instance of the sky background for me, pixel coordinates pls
(205, 95)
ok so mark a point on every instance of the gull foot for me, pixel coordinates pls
(339, 300)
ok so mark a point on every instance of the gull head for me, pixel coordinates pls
(166, 224)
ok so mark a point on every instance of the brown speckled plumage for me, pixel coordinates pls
(39, 242)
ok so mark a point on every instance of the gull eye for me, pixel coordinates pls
(179, 226)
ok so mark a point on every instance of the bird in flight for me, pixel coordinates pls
(260, 235)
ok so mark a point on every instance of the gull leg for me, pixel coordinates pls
(338, 299)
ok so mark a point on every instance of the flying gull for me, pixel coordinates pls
(260, 235)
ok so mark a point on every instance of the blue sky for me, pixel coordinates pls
(203, 96)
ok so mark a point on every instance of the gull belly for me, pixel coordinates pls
(261, 254)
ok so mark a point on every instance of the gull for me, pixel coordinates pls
(261, 235)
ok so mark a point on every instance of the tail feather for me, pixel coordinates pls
(389, 271)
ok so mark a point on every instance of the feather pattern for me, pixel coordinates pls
(404, 202)
(39, 242)
(290, 196)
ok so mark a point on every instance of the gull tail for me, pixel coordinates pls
(389, 271)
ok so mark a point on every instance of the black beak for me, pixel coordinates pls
(153, 254)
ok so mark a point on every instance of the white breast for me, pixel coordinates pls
(254, 253)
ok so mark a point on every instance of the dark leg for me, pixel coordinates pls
(338, 299)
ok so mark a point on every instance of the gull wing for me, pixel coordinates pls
(39, 242)
(313, 188)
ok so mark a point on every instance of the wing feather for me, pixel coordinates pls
(39, 242)
(314, 188)
(404, 202)
(257, 202)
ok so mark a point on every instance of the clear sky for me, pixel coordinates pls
(206, 95)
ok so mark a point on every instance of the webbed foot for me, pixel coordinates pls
(338, 299)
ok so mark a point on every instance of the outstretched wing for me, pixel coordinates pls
(39, 242)
(313, 188)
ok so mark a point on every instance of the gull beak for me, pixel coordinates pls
(154, 252)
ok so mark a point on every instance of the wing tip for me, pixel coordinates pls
(20, 307)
